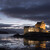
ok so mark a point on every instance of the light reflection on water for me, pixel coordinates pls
(5, 35)
(21, 43)
(11, 42)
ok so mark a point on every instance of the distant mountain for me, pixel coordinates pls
(5, 25)
(12, 31)
(3, 32)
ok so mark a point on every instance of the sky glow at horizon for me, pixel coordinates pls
(16, 21)
(24, 12)
(7, 20)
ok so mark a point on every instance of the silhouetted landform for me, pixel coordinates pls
(13, 31)
(3, 32)
(18, 35)
(34, 36)
(37, 36)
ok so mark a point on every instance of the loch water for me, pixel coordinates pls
(11, 43)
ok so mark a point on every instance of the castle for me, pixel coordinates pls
(39, 27)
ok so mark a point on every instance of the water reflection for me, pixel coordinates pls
(22, 43)
(41, 44)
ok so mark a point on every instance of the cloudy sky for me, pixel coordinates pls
(19, 12)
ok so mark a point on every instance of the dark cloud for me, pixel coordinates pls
(33, 13)
(32, 10)
(22, 3)
(28, 9)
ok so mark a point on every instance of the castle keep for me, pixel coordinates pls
(39, 27)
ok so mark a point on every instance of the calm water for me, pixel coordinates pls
(21, 43)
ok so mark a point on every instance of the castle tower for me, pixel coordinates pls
(40, 25)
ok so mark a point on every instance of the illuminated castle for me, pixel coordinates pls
(39, 27)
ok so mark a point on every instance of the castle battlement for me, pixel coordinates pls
(39, 27)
